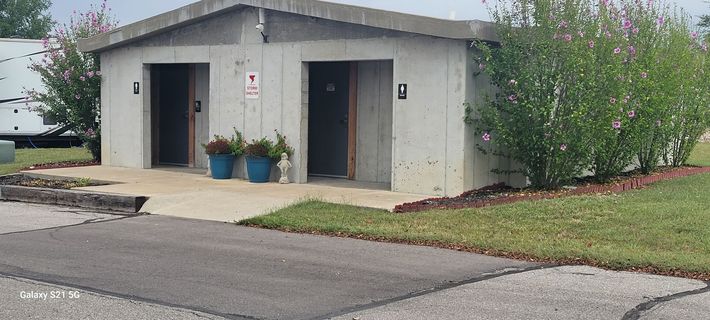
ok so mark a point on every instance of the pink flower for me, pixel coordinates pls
(82, 78)
(626, 99)
(90, 74)
(627, 24)
(563, 24)
(77, 96)
(617, 50)
(512, 82)
(694, 35)
(704, 47)
(568, 37)
(660, 21)
(616, 124)
(612, 100)
(631, 114)
(481, 66)
(486, 137)
(581, 34)
(632, 50)
(513, 98)
(591, 44)
(644, 75)
(563, 147)
(635, 30)
(607, 34)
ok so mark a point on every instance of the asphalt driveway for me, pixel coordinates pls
(161, 267)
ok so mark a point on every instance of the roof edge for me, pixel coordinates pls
(195, 12)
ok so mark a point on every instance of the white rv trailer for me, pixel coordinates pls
(17, 120)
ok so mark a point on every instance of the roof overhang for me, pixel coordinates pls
(463, 30)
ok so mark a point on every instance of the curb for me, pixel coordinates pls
(74, 198)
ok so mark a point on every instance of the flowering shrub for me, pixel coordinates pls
(219, 145)
(72, 79)
(592, 86)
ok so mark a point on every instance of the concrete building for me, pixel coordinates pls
(360, 93)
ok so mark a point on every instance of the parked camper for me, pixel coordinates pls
(18, 121)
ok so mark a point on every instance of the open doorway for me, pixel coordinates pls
(179, 123)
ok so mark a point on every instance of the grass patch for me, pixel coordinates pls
(700, 155)
(28, 157)
(663, 228)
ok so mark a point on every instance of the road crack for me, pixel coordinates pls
(442, 287)
(638, 311)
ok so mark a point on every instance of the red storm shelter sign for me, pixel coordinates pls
(251, 89)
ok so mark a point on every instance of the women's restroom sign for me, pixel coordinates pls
(252, 89)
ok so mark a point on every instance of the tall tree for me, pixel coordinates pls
(27, 19)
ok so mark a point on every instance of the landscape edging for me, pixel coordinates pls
(74, 198)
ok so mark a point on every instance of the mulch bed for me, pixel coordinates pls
(501, 194)
(65, 164)
(25, 181)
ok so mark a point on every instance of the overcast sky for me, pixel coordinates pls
(128, 11)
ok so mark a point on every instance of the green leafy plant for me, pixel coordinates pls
(237, 143)
(259, 148)
(281, 146)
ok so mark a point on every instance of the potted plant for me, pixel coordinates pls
(262, 154)
(258, 160)
(222, 152)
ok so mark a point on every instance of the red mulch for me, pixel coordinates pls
(501, 194)
(66, 164)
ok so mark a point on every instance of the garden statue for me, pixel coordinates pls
(284, 165)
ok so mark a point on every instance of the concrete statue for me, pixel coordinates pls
(284, 165)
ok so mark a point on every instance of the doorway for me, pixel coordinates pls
(331, 122)
(173, 114)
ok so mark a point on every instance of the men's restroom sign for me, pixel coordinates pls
(251, 89)
(402, 91)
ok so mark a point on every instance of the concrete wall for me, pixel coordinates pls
(202, 119)
(430, 150)
(374, 121)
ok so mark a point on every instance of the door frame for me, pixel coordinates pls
(155, 76)
(352, 121)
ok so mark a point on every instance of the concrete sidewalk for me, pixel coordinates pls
(196, 196)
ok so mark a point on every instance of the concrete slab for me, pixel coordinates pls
(22, 217)
(568, 292)
(196, 196)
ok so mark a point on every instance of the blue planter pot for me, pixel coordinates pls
(259, 169)
(222, 165)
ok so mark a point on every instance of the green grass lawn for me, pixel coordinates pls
(701, 155)
(665, 227)
(28, 157)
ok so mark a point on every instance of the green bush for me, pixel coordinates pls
(591, 86)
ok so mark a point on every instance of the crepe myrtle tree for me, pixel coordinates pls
(72, 79)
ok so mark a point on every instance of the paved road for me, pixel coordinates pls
(156, 267)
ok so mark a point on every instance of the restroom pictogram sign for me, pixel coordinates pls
(252, 88)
